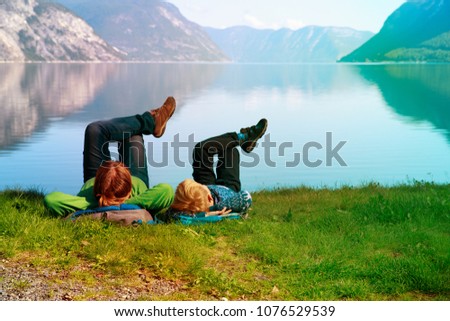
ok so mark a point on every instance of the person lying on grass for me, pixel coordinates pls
(217, 192)
(109, 183)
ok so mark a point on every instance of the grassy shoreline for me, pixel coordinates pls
(350, 243)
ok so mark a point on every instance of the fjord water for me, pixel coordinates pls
(329, 124)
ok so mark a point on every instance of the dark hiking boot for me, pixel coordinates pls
(162, 115)
(252, 134)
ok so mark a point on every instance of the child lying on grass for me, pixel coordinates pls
(111, 183)
(219, 192)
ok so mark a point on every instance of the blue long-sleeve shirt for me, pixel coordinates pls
(238, 202)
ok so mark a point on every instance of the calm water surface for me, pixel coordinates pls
(387, 123)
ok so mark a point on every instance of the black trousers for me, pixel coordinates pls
(127, 131)
(227, 169)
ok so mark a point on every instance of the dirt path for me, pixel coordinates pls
(24, 282)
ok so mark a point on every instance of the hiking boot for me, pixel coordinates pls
(252, 134)
(162, 115)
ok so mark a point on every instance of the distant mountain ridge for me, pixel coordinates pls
(308, 44)
(33, 31)
(147, 30)
(417, 31)
(155, 30)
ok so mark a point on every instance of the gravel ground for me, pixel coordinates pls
(24, 282)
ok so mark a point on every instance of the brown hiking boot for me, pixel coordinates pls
(162, 115)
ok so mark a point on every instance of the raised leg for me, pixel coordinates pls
(99, 134)
(227, 169)
(133, 155)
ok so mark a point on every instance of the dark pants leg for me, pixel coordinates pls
(132, 154)
(126, 131)
(227, 170)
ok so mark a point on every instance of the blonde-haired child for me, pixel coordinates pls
(217, 192)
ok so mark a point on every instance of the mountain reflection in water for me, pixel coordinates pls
(394, 118)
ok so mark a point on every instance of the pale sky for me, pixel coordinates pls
(294, 14)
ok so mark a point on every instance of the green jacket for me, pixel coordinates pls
(154, 199)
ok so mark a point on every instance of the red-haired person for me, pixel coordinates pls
(108, 182)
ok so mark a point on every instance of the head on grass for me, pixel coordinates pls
(192, 197)
(112, 183)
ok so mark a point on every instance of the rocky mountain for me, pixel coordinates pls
(34, 31)
(309, 44)
(417, 31)
(152, 30)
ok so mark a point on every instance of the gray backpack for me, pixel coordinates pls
(124, 214)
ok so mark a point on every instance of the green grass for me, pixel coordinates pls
(365, 243)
